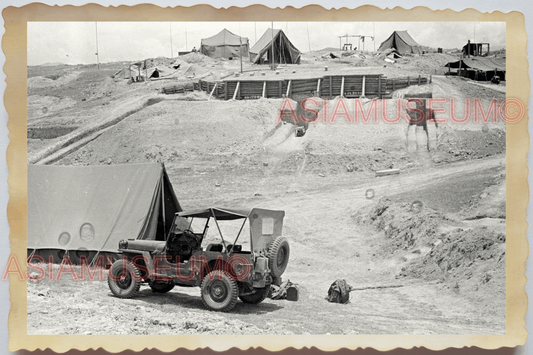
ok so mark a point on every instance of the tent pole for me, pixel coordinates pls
(95, 258)
(281, 51)
(240, 50)
(272, 46)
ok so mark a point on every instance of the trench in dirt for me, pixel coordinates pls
(75, 138)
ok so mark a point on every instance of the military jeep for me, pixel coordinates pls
(224, 269)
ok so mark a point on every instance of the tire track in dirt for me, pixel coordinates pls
(326, 244)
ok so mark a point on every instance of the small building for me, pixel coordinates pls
(476, 49)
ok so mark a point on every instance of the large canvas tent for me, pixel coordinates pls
(480, 68)
(284, 51)
(89, 209)
(402, 42)
(224, 45)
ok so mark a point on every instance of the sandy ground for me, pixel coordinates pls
(450, 273)
(334, 247)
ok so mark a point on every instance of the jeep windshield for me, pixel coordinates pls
(263, 227)
(219, 214)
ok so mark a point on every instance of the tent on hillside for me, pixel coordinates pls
(159, 72)
(284, 51)
(87, 210)
(402, 42)
(181, 65)
(224, 45)
(132, 70)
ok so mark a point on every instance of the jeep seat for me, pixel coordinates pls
(217, 247)
(147, 245)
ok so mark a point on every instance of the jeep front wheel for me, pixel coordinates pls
(161, 287)
(219, 291)
(257, 297)
(278, 256)
(124, 279)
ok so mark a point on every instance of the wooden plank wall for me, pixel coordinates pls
(375, 86)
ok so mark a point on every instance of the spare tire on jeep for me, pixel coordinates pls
(278, 256)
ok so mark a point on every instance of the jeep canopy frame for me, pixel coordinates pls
(260, 237)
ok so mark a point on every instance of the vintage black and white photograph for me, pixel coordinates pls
(266, 178)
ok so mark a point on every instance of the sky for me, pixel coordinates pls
(76, 42)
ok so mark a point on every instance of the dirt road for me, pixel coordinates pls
(326, 244)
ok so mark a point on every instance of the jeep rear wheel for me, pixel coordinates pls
(278, 256)
(257, 297)
(161, 287)
(124, 279)
(219, 291)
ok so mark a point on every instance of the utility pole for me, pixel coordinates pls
(340, 48)
(186, 45)
(373, 40)
(308, 40)
(171, 51)
(97, 57)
